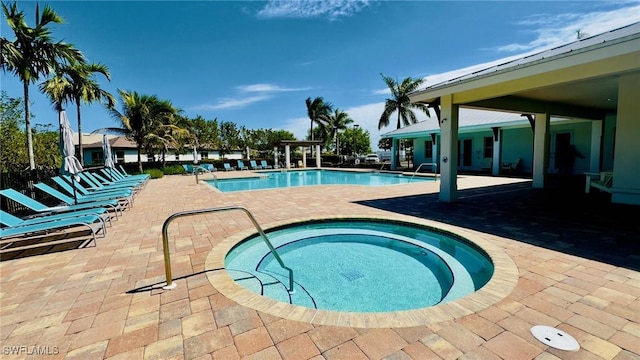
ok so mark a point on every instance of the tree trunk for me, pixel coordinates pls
(27, 121)
(81, 155)
(139, 160)
(311, 129)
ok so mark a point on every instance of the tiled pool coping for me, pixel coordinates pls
(501, 284)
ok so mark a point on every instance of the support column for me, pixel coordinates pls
(304, 156)
(275, 156)
(540, 150)
(318, 158)
(287, 156)
(497, 143)
(449, 148)
(596, 146)
(394, 149)
(626, 167)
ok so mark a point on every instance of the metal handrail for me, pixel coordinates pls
(434, 167)
(165, 240)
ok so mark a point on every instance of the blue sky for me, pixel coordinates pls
(255, 63)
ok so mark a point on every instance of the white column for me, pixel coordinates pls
(449, 149)
(626, 167)
(318, 158)
(275, 156)
(596, 141)
(287, 156)
(304, 156)
(394, 149)
(540, 150)
(248, 153)
(434, 152)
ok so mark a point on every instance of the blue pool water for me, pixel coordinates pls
(280, 179)
(361, 266)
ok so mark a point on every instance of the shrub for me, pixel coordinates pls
(173, 170)
(155, 173)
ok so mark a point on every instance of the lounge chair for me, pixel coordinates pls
(104, 181)
(96, 184)
(139, 176)
(44, 210)
(17, 227)
(265, 165)
(242, 166)
(254, 166)
(602, 181)
(82, 197)
(228, 167)
(117, 175)
(92, 191)
(114, 205)
(210, 167)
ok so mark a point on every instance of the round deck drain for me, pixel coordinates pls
(555, 338)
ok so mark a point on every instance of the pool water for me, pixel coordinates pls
(281, 179)
(360, 266)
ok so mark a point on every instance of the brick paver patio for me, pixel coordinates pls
(578, 263)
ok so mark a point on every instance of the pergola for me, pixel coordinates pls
(303, 144)
(593, 78)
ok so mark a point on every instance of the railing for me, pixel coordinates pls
(165, 240)
(434, 167)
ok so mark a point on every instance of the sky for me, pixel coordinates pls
(255, 62)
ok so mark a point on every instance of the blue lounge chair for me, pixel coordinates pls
(68, 211)
(92, 197)
(114, 205)
(97, 184)
(104, 181)
(84, 191)
(144, 178)
(17, 227)
(139, 176)
(265, 165)
(228, 167)
(254, 166)
(209, 167)
(242, 166)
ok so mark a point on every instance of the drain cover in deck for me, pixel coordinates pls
(555, 338)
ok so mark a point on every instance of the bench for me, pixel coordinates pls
(601, 181)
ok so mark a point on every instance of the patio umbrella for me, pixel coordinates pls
(106, 150)
(195, 155)
(70, 164)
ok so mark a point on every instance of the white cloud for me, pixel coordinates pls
(234, 103)
(331, 9)
(555, 30)
(266, 88)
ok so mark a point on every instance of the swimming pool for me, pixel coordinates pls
(357, 265)
(292, 178)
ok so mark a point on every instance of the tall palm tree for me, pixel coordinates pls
(318, 111)
(32, 54)
(80, 86)
(338, 120)
(139, 119)
(400, 103)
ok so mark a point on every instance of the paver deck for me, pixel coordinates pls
(577, 258)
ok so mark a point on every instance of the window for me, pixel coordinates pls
(119, 156)
(97, 157)
(488, 147)
(428, 149)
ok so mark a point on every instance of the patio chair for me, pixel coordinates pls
(602, 181)
(228, 167)
(254, 166)
(265, 165)
(96, 182)
(242, 166)
(17, 227)
(114, 205)
(46, 211)
(85, 191)
(138, 184)
(139, 176)
(82, 197)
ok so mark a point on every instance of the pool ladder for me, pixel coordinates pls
(434, 167)
(165, 241)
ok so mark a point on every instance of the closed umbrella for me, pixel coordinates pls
(70, 164)
(106, 150)
(195, 155)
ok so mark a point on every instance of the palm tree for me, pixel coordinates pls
(141, 117)
(336, 122)
(80, 86)
(33, 54)
(318, 111)
(400, 103)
